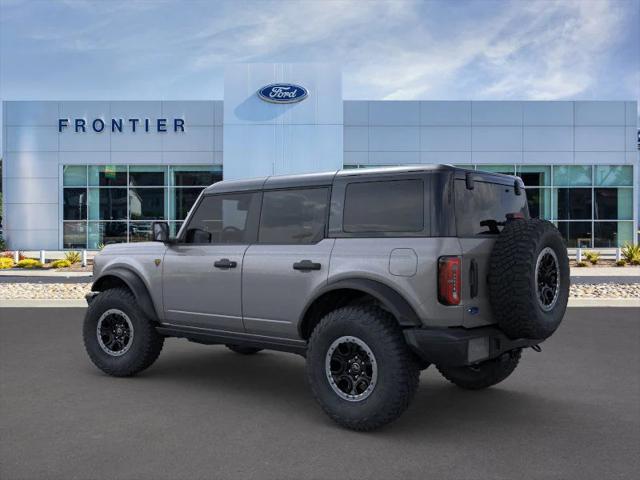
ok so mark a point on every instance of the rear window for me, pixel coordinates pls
(386, 206)
(296, 216)
(483, 210)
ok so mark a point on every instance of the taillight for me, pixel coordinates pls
(449, 280)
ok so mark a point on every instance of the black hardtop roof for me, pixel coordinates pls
(327, 178)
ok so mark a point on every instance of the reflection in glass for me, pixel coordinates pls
(147, 175)
(506, 169)
(576, 234)
(572, 175)
(74, 235)
(108, 204)
(612, 234)
(74, 175)
(140, 232)
(74, 204)
(106, 233)
(614, 203)
(534, 175)
(539, 200)
(573, 203)
(108, 175)
(146, 203)
(614, 175)
(181, 200)
(194, 176)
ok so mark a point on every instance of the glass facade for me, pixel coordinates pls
(105, 204)
(592, 205)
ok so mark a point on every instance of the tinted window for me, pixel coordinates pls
(392, 206)
(224, 219)
(484, 209)
(293, 216)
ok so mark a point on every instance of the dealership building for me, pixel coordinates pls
(79, 174)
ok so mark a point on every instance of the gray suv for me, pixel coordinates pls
(372, 275)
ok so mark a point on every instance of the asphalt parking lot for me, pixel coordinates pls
(572, 411)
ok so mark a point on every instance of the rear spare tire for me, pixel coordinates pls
(529, 279)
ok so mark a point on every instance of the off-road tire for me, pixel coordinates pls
(483, 375)
(242, 349)
(398, 370)
(512, 279)
(146, 344)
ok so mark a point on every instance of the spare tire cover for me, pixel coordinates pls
(529, 279)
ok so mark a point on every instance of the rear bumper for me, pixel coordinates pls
(461, 346)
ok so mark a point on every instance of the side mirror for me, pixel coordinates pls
(160, 232)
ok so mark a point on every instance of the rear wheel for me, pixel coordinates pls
(483, 375)
(359, 368)
(120, 340)
(244, 350)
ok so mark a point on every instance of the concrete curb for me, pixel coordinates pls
(81, 303)
(21, 272)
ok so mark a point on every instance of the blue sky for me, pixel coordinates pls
(156, 49)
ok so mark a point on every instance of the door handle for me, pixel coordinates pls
(305, 265)
(225, 263)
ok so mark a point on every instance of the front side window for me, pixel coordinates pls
(296, 216)
(385, 206)
(224, 219)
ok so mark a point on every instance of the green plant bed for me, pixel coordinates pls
(62, 263)
(29, 263)
(6, 262)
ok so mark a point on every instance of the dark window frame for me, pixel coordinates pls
(325, 230)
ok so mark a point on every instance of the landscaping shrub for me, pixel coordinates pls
(631, 253)
(29, 263)
(62, 263)
(73, 257)
(582, 264)
(592, 257)
(621, 263)
(9, 254)
(6, 263)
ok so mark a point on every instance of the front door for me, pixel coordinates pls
(289, 261)
(202, 272)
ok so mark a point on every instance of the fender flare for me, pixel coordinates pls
(135, 284)
(387, 296)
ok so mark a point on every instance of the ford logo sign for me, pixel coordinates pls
(283, 93)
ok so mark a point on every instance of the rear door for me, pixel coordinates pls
(480, 216)
(289, 261)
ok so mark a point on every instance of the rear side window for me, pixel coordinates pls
(483, 210)
(386, 206)
(228, 218)
(296, 216)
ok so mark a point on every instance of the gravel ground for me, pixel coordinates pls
(77, 290)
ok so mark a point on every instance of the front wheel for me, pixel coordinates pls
(120, 340)
(360, 369)
(485, 374)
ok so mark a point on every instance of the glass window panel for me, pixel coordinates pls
(107, 175)
(467, 166)
(483, 210)
(140, 232)
(534, 175)
(74, 235)
(294, 216)
(614, 175)
(395, 206)
(195, 176)
(350, 167)
(573, 203)
(74, 175)
(146, 203)
(539, 200)
(106, 233)
(576, 234)
(222, 219)
(506, 169)
(614, 203)
(74, 204)
(181, 200)
(572, 175)
(612, 234)
(107, 204)
(174, 228)
(147, 175)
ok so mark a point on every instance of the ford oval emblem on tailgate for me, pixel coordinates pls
(283, 93)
